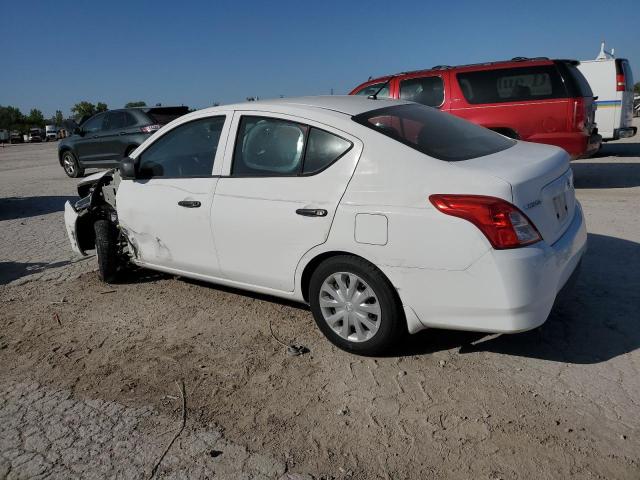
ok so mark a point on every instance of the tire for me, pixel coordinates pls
(107, 250)
(70, 165)
(382, 326)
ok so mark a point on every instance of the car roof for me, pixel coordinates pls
(515, 62)
(342, 104)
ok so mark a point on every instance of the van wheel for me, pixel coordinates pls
(355, 306)
(107, 250)
(71, 166)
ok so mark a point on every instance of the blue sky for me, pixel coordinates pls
(55, 54)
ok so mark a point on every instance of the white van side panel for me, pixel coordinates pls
(601, 75)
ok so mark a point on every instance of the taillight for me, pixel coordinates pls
(150, 128)
(621, 83)
(579, 114)
(504, 225)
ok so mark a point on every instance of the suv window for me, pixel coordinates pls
(94, 124)
(437, 134)
(118, 120)
(512, 84)
(186, 151)
(426, 90)
(372, 89)
(268, 146)
(575, 82)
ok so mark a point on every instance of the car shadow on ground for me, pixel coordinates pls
(595, 322)
(13, 208)
(10, 271)
(619, 149)
(605, 175)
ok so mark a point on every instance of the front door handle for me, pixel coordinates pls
(189, 203)
(312, 212)
(123, 133)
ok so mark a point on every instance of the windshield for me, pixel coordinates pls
(437, 134)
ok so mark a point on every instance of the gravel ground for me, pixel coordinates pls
(88, 371)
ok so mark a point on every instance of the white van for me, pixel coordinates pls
(51, 133)
(612, 82)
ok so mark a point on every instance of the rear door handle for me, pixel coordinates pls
(123, 133)
(312, 212)
(189, 203)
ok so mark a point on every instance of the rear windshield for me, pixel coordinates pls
(576, 83)
(512, 84)
(164, 115)
(437, 134)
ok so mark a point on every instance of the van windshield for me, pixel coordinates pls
(437, 134)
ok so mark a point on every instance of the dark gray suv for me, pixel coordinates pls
(104, 139)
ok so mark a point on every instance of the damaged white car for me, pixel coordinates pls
(384, 216)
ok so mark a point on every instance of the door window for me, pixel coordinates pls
(274, 147)
(94, 124)
(426, 90)
(268, 146)
(114, 121)
(186, 151)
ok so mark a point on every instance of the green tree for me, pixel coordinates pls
(58, 118)
(11, 118)
(83, 109)
(636, 87)
(36, 118)
(135, 104)
(101, 107)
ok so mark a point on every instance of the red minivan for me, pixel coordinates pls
(537, 99)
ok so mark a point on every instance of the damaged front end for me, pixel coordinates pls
(98, 201)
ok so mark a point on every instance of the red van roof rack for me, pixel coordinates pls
(522, 59)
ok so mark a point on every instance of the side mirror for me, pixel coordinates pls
(127, 168)
(78, 131)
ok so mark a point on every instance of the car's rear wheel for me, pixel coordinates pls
(71, 166)
(107, 250)
(355, 305)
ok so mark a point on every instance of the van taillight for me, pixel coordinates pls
(621, 83)
(504, 225)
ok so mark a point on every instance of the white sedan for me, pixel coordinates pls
(384, 216)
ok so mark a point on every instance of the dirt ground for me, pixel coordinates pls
(557, 402)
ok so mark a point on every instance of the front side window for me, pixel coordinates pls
(437, 134)
(372, 89)
(94, 124)
(186, 151)
(512, 84)
(426, 90)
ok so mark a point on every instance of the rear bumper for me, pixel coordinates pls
(626, 132)
(505, 291)
(577, 144)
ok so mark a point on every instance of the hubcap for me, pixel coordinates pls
(350, 307)
(68, 164)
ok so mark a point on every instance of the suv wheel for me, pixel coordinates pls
(70, 165)
(107, 250)
(355, 306)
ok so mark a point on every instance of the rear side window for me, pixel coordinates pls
(323, 148)
(512, 84)
(437, 134)
(164, 115)
(426, 90)
(275, 147)
(575, 82)
(372, 89)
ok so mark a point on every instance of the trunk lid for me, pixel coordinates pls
(541, 183)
